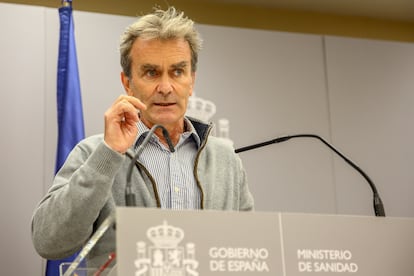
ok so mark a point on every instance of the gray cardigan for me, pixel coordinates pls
(92, 182)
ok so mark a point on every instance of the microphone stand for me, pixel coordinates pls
(129, 195)
(378, 205)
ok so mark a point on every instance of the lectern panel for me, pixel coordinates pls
(155, 242)
(347, 245)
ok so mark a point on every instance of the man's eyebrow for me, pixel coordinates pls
(148, 66)
(181, 64)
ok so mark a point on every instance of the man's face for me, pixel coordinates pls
(161, 78)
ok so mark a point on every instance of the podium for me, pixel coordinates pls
(173, 243)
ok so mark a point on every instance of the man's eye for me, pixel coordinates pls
(151, 73)
(178, 72)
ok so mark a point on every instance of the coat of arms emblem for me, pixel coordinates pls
(165, 257)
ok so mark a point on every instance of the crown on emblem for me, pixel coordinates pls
(200, 108)
(165, 236)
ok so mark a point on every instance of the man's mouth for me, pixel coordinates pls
(164, 104)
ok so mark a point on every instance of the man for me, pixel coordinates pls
(158, 56)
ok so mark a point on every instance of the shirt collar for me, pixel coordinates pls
(189, 132)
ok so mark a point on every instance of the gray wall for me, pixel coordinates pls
(355, 93)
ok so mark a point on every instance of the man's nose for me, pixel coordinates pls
(165, 85)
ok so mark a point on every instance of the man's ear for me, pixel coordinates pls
(126, 83)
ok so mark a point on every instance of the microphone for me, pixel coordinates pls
(129, 195)
(377, 202)
(91, 243)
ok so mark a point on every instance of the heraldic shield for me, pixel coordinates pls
(165, 257)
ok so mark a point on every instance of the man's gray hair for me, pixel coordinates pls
(164, 25)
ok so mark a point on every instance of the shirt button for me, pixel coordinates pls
(176, 189)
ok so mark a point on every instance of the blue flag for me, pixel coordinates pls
(69, 103)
